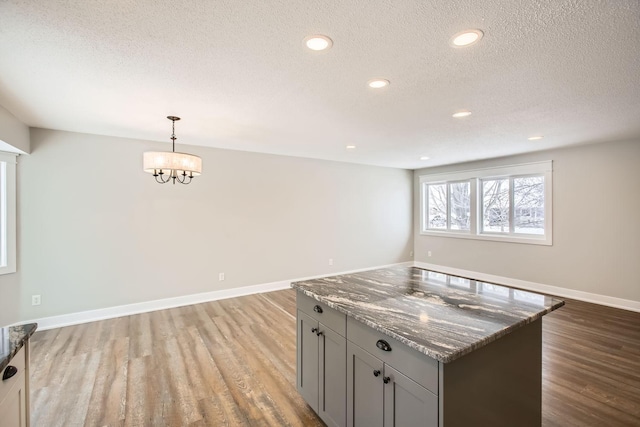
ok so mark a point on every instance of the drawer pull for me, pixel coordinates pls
(317, 309)
(383, 345)
(9, 372)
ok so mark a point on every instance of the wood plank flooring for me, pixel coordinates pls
(232, 363)
(591, 366)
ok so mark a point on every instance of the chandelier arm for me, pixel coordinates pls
(161, 180)
(182, 178)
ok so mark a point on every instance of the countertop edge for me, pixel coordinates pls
(28, 333)
(444, 358)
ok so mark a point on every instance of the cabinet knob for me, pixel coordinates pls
(386, 380)
(317, 309)
(383, 345)
(9, 372)
(376, 373)
(314, 330)
(319, 333)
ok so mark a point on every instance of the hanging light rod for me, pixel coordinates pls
(172, 166)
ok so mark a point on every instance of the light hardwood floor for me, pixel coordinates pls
(232, 362)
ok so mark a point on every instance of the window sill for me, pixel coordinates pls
(7, 270)
(541, 240)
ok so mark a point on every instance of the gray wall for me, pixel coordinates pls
(96, 231)
(596, 225)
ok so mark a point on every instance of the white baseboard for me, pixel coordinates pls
(161, 304)
(62, 320)
(144, 307)
(625, 304)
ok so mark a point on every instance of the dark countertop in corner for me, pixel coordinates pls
(12, 339)
(439, 315)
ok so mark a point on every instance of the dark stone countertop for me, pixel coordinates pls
(12, 339)
(442, 316)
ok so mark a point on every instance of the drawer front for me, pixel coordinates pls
(322, 313)
(19, 362)
(415, 365)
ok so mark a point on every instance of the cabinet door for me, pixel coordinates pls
(333, 378)
(407, 403)
(13, 408)
(365, 392)
(307, 359)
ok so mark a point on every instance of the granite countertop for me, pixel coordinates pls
(442, 316)
(12, 339)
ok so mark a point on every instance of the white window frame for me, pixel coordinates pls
(8, 224)
(475, 177)
(425, 197)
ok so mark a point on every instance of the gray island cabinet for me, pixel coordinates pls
(410, 347)
(321, 361)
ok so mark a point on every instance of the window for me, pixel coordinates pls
(511, 203)
(519, 211)
(7, 213)
(448, 206)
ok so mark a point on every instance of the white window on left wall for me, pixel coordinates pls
(7, 212)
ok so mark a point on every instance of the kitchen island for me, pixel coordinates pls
(405, 346)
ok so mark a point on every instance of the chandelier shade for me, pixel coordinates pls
(172, 166)
(168, 161)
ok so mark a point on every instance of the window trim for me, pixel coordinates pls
(475, 176)
(8, 223)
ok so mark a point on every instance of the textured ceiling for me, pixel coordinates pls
(238, 74)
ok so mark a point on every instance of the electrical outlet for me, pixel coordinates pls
(330, 261)
(221, 277)
(428, 253)
(35, 300)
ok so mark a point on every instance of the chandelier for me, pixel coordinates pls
(171, 166)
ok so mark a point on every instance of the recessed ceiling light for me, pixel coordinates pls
(425, 158)
(350, 147)
(318, 42)
(535, 138)
(378, 83)
(461, 114)
(466, 38)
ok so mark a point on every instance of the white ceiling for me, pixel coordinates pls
(239, 75)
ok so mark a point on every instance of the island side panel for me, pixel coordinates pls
(499, 384)
(27, 386)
